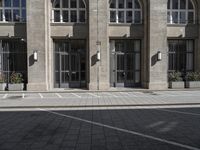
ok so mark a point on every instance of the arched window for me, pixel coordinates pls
(12, 10)
(125, 11)
(69, 11)
(180, 12)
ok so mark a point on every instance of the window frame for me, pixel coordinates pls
(12, 9)
(125, 10)
(179, 10)
(69, 10)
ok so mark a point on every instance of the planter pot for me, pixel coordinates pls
(16, 87)
(2, 86)
(192, 84)
(177, 85)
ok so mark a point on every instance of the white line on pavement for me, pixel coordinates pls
(58, 95)
(5, 96)
(41, 96)
(23, 95)
(93, 95)
(179, 112)
(76, 95)
(124, 130)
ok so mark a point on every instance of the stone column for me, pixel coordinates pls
(36, 40)
(98, 70)
(157, 41)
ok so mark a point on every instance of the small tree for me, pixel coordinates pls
(192, 76)
(16, 78)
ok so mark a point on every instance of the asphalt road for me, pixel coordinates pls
(125, 129)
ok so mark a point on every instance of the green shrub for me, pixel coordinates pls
(192, 76)
(16, 78)
(175, 76)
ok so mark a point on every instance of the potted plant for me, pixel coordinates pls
(2, 82)
(175, 80)
(192, 80)
(16, 82)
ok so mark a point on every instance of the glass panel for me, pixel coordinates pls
(81, 4)
(175, 17)
(137, 61)
(15, 3)
(182, 4)
(112, 16)
(121, 16)
(120, 62)
(121, 4)
(129, 76)
(23, 19)
(182, 17)
(16, 15)
(56, 15)
(119, 46)
(174, 4)
(82, 16)
(1, 15)
(129, 16)
(64, 62)
(113, 4)
(130, 62)
(56, 4)
(137, 77)
(189, 64)
(190, 46)
(137, 4)
(190, 5)
(7, 3)
(168, 4)
(120, 77)
(1, 3)
(73, 16)
(65, 77)
(137, 17)
(190, 17)
(23, 3)
(8, 15)
(65, 3)
(137, 45)
(75, 62)
(73, 4)
(129, 3)
(65, 16)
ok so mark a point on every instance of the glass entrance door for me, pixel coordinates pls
(125, 63)
(69, 64)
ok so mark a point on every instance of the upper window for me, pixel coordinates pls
(180, 12)
(69, 11)
(125, 11)
(12, 10)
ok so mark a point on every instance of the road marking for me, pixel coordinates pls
(179, 112)
(93, 94)
(124, 130)
(41, 96)
(76, 95)
(58, 95)
(5, 96)
(23, 95)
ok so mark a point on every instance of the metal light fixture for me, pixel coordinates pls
(98, 56)
(159, 56)
(35, 55)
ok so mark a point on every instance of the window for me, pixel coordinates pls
(125, 11)
(180, 12)
(181, 55)
(69, 11)
(13, 10)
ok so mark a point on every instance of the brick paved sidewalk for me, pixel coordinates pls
(99, 99)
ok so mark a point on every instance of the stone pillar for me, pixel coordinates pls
(157, 41)
(98, 70)
(36, 40)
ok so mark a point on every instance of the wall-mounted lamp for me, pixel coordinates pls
(98, 56)
(35, 55)
(159, 56)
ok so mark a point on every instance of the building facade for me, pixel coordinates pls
(98, 44)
